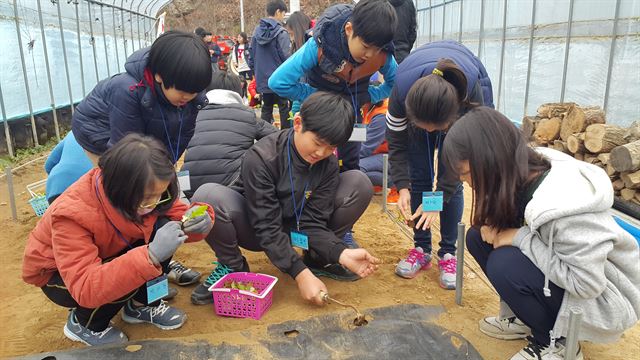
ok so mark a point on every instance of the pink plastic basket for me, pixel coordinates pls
(240, 303)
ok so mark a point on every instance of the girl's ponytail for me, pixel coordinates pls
(438, 97)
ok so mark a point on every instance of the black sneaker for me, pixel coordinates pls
(332, 271)
(536, 351)
(182, 275)
(201, 294)
(173, 292)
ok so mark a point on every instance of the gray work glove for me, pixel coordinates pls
(166, 242)
(199, 225)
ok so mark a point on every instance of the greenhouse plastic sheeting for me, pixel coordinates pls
(588, 59)
(135, 17)
(587, 64)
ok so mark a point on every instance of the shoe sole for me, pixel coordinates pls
(450, 287)
(196, 301)
(196, 280)
(503, 336)
(424, 268)
(185, 283)
(131, 320)
(73, 337)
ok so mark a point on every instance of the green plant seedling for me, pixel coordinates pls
(198, 211)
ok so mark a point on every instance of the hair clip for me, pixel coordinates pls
(437, 72)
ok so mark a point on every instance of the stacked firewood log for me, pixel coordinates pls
(583, 133)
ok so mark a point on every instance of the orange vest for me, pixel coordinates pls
(369, 112)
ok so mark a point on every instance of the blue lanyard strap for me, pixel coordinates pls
(354, 99)
(175, 153)
(296, 212)
(114, 227)
(439, 145)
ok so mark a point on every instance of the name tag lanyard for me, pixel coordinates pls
(296, 212)
(175, 153)
(114, 227)
(431, 166)
(354, 98)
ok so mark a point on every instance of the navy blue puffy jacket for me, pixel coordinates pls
(423, 60)
(125, 103)
(270, 47)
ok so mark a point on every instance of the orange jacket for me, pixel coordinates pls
(76, 238)
(368, 114)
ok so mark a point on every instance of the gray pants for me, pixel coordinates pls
(233, 230)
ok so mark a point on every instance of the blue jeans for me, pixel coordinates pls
(421, 171)
(372, 167)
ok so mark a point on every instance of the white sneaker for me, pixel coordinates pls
(537, 351)
(506, 329)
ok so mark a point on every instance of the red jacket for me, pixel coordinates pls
(76, 237)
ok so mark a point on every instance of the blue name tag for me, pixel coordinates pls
(432, 201)
(299, 239)
(157, 288)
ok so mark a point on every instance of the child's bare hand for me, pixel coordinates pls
(359, 261)
(311, 287)
(425, 218)
(404, 203)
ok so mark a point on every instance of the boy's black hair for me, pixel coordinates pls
(275, 5)
(129, 167)
(182, 60)
(329, 116)
(374, 21)
(225, 81)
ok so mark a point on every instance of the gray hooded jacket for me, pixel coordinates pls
(577, 244)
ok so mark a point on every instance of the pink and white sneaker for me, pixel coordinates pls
(447, 266)
(415, 261)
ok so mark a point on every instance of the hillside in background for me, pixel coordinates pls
(223, 17)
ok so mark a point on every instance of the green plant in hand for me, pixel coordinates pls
(198, 211)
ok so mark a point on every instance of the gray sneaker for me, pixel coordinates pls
(416, 261)
(181, 274)
(447, 266)
(163, 316)
(76, 332)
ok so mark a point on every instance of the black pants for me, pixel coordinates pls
(245, 78)
(519, 283)
(233, 230)
(98, 319)
(349, 156)
(268, 100)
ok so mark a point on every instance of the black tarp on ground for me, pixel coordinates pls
(395, 332)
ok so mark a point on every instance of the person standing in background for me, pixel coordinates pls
(239, 55)
(214, 49)
(406, 31)
(270, 47)
(299, 26)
